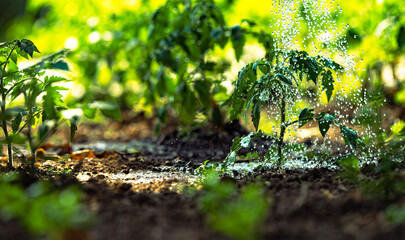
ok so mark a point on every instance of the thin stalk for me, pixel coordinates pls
(282, 131)
(29, 127)
(3, 111)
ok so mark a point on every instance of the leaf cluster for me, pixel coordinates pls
(273, 80)
(31, 83)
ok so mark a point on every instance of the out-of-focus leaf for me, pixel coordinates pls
(15, 123)
(203, 90)
(238, 41)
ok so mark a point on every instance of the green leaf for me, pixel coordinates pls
(311, 68)
(14, 139)
(188, 107)
(161, 81)
(44, 129)
(256, 113)
(349, 135)
(15, 123)
(241, 74)
(254, 68)
(73, 122)
(54, 79)
(264, 68)
(107, 109)
(14, 57)
(59, 65)
(162, 114)
(284, 79)
(51, 101)
(401, 37)
(305, 116)
(325, 120)
(203, 90)
(238, 40)
(327, 84)
(27, 46)
(89, 112)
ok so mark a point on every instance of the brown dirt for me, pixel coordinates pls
(315, 204)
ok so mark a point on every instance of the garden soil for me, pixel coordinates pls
(314, 204)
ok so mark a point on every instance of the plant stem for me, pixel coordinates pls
(282, 131)
(3, 111)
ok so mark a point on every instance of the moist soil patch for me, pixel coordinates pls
(138, 195)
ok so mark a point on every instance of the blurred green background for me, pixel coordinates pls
(114, 56)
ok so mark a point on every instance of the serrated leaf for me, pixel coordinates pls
(327, 84)
(305, 116)
(325, 120)
(311, 69)
(256, 114)
(54, 79)
(349, 135)
(27, 46)
(51, 101)
(15, 123)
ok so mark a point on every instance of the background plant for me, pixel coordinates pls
(236, 213)
(41, 209)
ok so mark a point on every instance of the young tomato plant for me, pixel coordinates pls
(282, 74)
(18, 123)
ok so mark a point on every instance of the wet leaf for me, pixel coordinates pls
(327, 84)
(325, 120)
(283, 79)
(349, 135)
(254, 68)
(256, 114)
(305, 116)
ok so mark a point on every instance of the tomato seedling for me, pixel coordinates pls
(282, 74)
